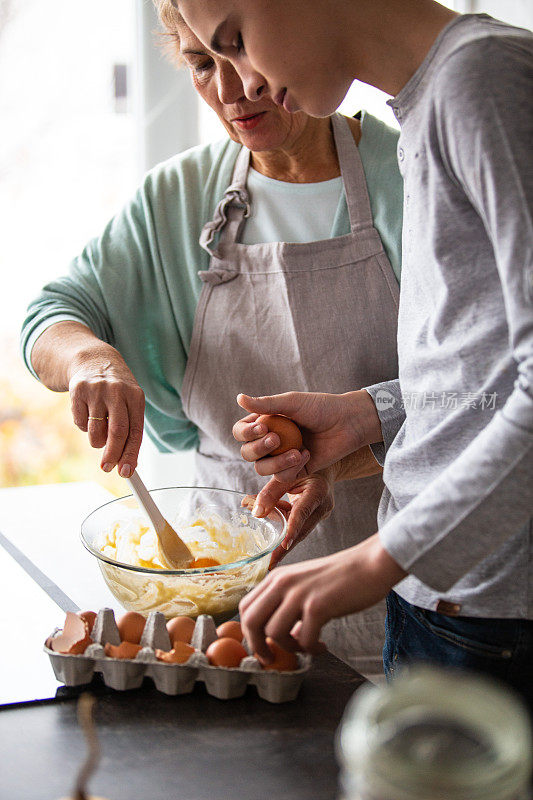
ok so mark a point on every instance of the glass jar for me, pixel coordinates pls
(434, 734)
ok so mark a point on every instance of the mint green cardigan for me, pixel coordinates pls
(136, 286)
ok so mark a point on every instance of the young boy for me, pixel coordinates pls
(455, 523)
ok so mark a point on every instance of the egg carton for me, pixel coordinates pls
(224, 683)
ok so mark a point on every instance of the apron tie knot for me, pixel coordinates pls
(238, 197)
(214, 277)
(234, 197)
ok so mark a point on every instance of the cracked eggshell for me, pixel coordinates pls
(89, 617)
(180, 654)
(74, 638)
(125, 650)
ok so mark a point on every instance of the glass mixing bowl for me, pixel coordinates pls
(208, 590)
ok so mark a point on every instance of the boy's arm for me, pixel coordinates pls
(486, 494)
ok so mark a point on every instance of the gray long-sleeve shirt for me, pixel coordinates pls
(458, 426)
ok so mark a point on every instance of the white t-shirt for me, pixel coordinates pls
(290, 212)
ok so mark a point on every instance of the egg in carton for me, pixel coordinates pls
(87, 655)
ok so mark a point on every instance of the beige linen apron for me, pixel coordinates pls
(315, 316)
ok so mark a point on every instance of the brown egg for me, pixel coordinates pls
(225, 652)
(73, 639)
(89, 617)
(131, 626)
(287, 430)
(180, 653)
(232, 628)
(283, 660)
(123, 650)
(180, 629)
(204, 562)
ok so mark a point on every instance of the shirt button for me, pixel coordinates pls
(401, 154)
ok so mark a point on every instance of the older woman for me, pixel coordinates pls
(225, 271)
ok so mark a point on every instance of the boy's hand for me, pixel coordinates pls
(332, 425)
(293, 603)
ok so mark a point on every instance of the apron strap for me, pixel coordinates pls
(353, 175)
(232, 210)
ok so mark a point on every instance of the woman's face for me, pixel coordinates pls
(260, 125)
(290, 50)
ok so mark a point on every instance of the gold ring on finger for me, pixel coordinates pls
(100, 419)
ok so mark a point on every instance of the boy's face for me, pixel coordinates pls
(288, 49)
(258, 125)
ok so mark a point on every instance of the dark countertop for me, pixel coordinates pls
(189, 747)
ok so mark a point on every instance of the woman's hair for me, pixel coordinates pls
(170, 38)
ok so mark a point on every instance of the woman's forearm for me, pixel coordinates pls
(360, 464)
(65, 347)
(106, 400)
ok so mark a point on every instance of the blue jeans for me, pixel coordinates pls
(501, 648)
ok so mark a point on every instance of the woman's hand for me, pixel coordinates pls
(359, 464)
(108, 403)
(106, 400)
(293, 603)
(332, 425)
(311, 500)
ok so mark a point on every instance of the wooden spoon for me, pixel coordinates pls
(172, 550)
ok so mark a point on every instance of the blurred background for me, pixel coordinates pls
(88, 103)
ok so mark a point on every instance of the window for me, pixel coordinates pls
(67, 162)
(516, 12)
